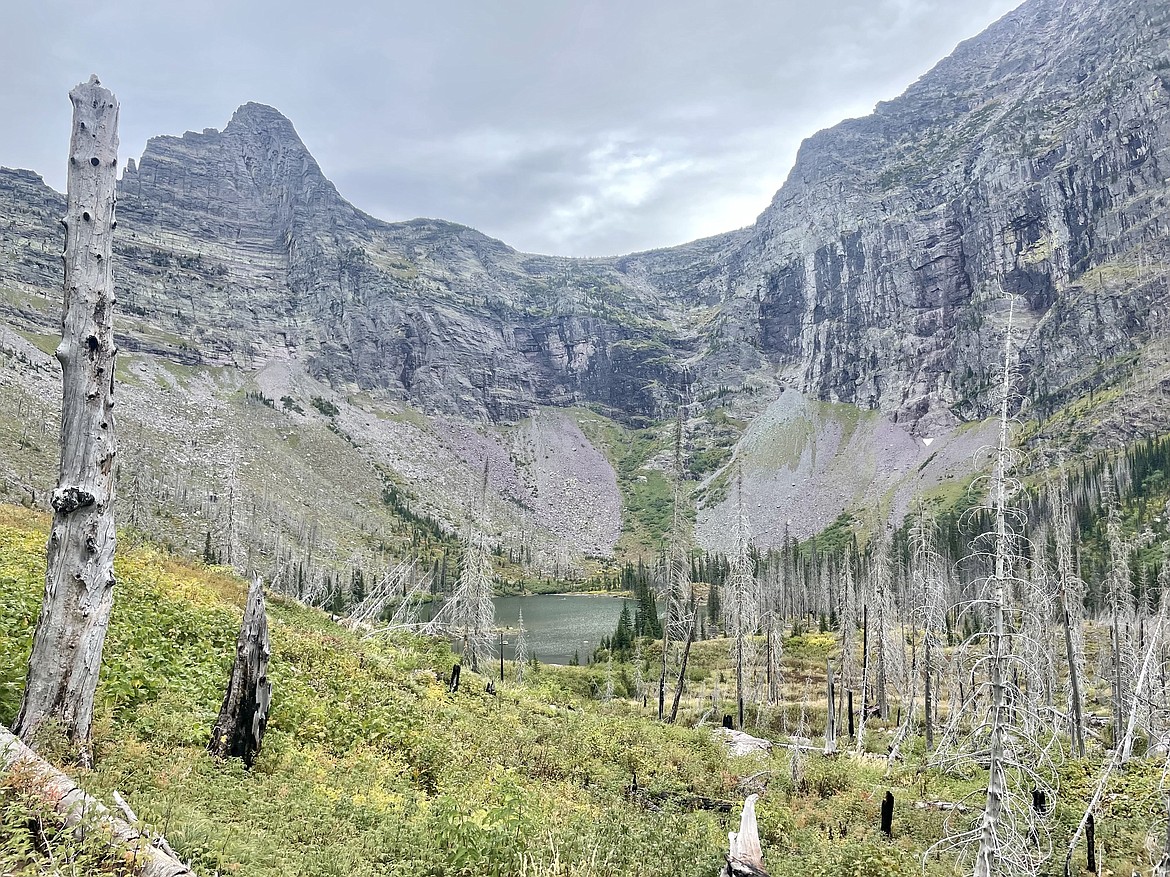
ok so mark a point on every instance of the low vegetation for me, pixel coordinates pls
(372, 766)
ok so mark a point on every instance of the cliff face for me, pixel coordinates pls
(1032, 163)
(234, 248)
(261, 256)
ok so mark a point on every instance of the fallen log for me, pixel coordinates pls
(79, 811)
(739, 743)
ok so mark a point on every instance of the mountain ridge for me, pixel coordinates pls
(1030, 163)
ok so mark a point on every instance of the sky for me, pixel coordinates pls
(559, 126)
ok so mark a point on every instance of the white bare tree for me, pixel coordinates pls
(470, 614)
(741, 601)
(401, 587)
(675, 583)
(522, 656)
(67, 645)
(1009, 836)
(1070, 595)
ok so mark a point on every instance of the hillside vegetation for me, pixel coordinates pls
(372, 767)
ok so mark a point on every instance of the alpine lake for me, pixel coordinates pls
(557, 626)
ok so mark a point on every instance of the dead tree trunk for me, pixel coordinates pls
(887, 815)
(739, 678)
(239, 730)
(745, 857)
(77, 810)
(831, 715)
(79, 580)
(929, 693)
(682, 670)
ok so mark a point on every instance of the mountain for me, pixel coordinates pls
(350, 377)
(1031, 163)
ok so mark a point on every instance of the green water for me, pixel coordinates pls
(557, 625)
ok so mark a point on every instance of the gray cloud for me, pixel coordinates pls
(584, 128)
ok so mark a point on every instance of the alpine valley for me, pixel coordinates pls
(302, 386)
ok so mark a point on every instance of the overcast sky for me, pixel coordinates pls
(578, 128)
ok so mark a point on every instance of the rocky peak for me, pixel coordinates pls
(262, 119)
(254, 178)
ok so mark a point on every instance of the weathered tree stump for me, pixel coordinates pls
(454, 684)
(66, 653)
(1091, 844)
(745, 857)
(888, 815)
(239, 730)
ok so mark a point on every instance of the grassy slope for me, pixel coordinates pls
(647, 490)
(371, 767)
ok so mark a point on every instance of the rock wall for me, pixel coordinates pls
(1031, 162)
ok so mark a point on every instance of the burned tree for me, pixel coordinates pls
(470, 614)
(79, 580)
(676, 580)
(742, 604)
(991, 725)
(239, 730)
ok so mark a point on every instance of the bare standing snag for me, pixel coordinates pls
(79, 582)
(239, 730)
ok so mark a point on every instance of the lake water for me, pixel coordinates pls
(556, 625)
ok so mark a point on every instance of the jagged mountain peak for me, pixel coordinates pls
(255, 178)
(256, 116)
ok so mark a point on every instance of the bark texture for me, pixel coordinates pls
(76, 808)
(79, 582)
(239, 730)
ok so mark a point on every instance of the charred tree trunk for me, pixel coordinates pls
(682, 670)
(831, 715)
(79, 581)
(239, 730)
(887, 815)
